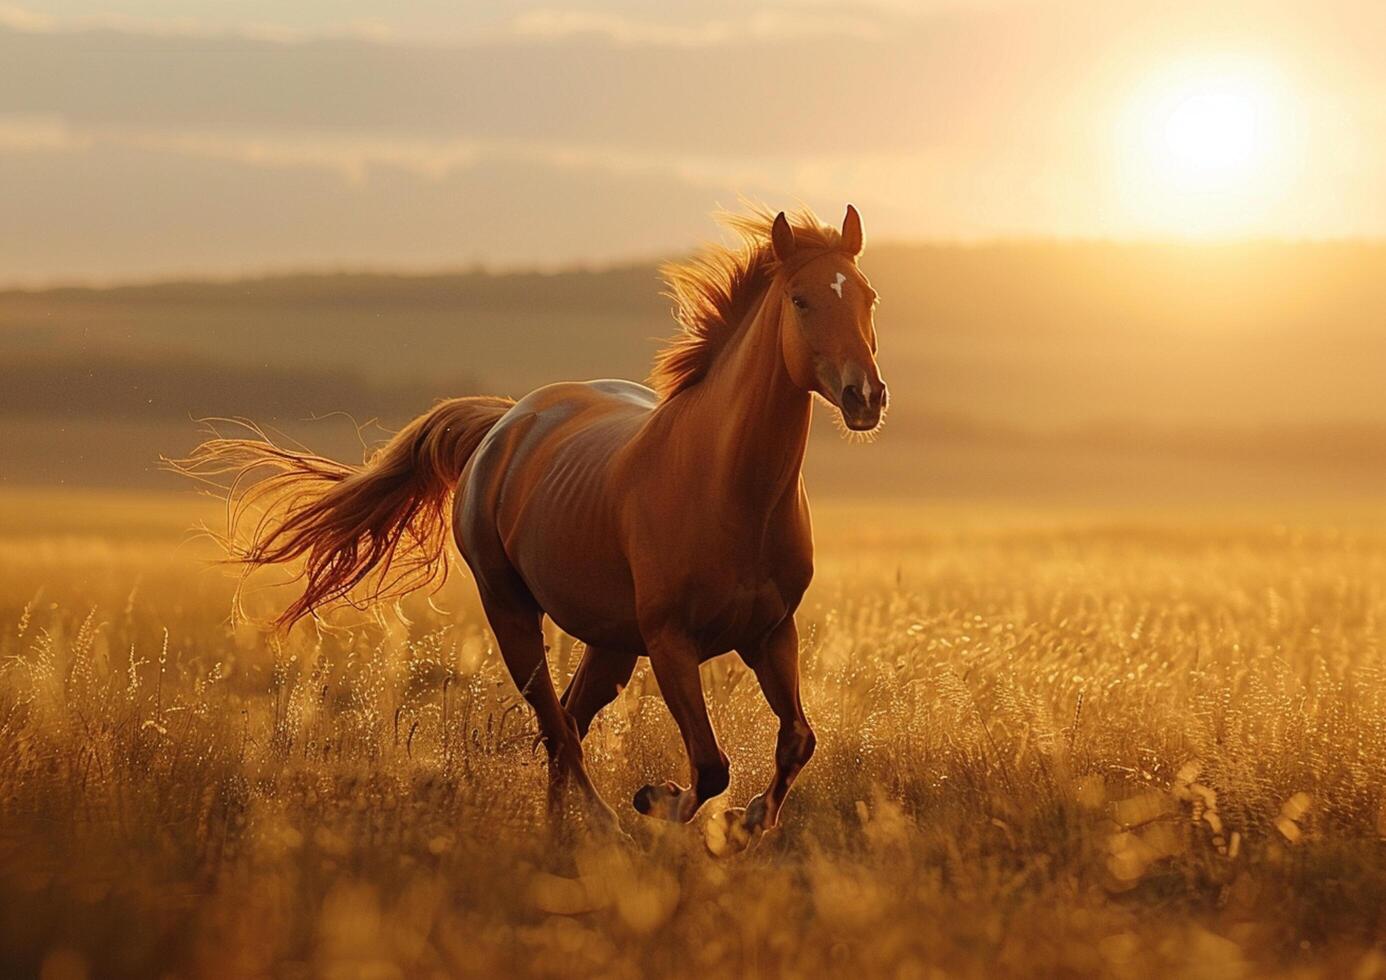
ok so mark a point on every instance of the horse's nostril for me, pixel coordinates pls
(851, 396)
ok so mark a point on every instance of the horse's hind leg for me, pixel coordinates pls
(599, 677)
(675, 663)
(776, 665)
(519, 633)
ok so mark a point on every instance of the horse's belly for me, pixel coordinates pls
(539, 502)
(587, 591)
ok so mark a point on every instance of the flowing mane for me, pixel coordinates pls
(713, 292)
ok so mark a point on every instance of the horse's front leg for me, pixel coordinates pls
(674, 659)
(776, 665)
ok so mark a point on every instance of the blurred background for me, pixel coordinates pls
(1127, 253)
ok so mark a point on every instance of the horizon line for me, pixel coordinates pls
(475, 267)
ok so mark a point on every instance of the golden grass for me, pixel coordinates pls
(1048, 744)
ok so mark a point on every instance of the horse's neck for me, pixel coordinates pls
(749, 418)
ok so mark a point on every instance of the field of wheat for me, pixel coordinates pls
(1049, 743)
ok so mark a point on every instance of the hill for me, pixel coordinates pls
(1015, 368)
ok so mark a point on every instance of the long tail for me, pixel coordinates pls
(383, 525)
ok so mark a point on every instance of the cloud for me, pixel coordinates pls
(955, 120)
(758, 26)
(38, 134)
(352, 157)
(119, 201)
(117, 206)
(24, 20)
(670, 24)
(756, 98)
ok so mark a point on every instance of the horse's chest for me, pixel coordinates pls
(724, 586)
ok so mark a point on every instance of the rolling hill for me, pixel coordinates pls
(1016, 369)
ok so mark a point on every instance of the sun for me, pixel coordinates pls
(1214, 136)
(1213, 131)
(1203, 146)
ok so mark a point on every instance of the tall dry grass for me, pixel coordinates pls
(1046, 746)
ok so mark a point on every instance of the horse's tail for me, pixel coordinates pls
(384, 524)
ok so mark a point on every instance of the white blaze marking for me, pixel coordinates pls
(837, 284)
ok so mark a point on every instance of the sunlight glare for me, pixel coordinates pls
(1214, 136)
(1204, 147)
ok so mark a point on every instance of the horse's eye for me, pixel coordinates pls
(799, 302)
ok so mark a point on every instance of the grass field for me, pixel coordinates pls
(1050, 743)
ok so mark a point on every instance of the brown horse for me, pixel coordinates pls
(669, 522)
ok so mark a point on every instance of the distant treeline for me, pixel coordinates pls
(46, 386)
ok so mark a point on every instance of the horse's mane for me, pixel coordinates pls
(714, 289)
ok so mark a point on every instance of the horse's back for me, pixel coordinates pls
(537, 509)
(567, 424)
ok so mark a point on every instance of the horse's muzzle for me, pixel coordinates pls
(862, 411)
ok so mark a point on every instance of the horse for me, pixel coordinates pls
(669, 522)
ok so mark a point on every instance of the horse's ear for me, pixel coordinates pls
(851, 232)
(782, 238)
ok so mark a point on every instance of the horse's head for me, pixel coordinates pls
(827, 331)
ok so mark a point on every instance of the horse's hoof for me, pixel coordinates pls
(728, 832)
(736, 828)
(660, 802)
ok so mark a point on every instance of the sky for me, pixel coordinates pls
(153, 138)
